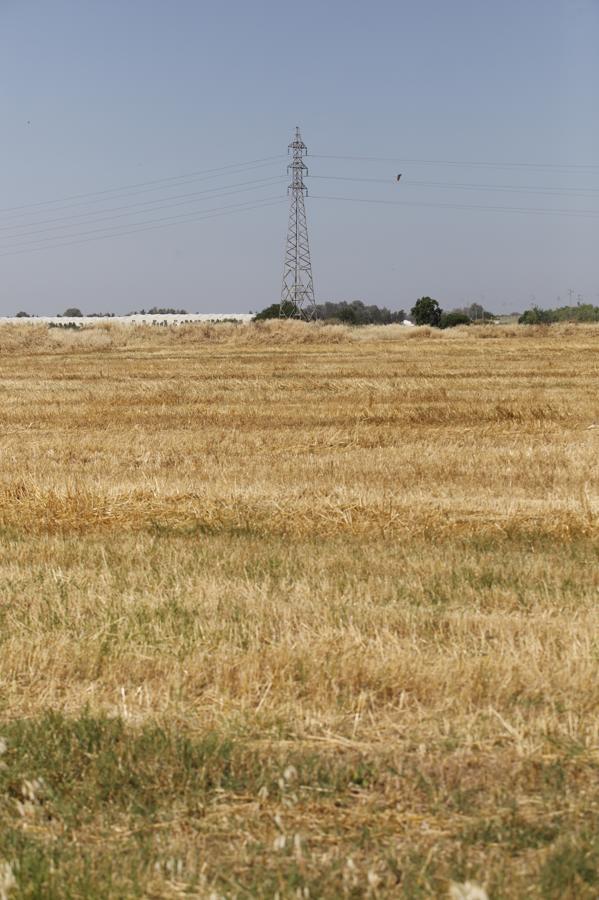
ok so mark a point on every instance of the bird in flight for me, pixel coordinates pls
(398, 177)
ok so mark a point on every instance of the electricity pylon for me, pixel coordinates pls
(297, 294)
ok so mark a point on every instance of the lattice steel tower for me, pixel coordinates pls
(297, 294)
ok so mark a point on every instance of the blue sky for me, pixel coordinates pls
(102, 95)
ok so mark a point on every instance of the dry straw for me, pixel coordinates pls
(373, 546)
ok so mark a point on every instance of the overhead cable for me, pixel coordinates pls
(151, 225)
(209, 173)
(575, 213)
(134, 208)
(582, 167)
(508, 188)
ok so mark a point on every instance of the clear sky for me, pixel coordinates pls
(103, 94)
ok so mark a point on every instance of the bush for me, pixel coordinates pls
(537, 316)
(451, 319)
(274, 311)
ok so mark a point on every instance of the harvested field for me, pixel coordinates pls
(299, 611)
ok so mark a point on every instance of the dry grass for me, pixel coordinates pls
(367, 559)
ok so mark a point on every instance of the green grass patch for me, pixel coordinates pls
(93, 807)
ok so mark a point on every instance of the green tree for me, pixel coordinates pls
(72, 312)
(427, 311)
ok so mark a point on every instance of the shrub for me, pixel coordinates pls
(451, 319)
(274, 311)
(537, 316)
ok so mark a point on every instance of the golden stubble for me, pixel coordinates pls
(384, 533)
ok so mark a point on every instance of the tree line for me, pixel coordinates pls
(426, 311)
(582, 312)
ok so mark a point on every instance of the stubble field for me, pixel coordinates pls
(299, 611)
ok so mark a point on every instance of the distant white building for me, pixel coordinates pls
(137, 319)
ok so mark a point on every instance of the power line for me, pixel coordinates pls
(589, 213)
(87, 203)
(508, 188)
(164, 183)
(141, 184)
(111, 214)
(131, 224)
(181, 199)
(161, 202)
(180, 220)
(464, 164)
(179, 180)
